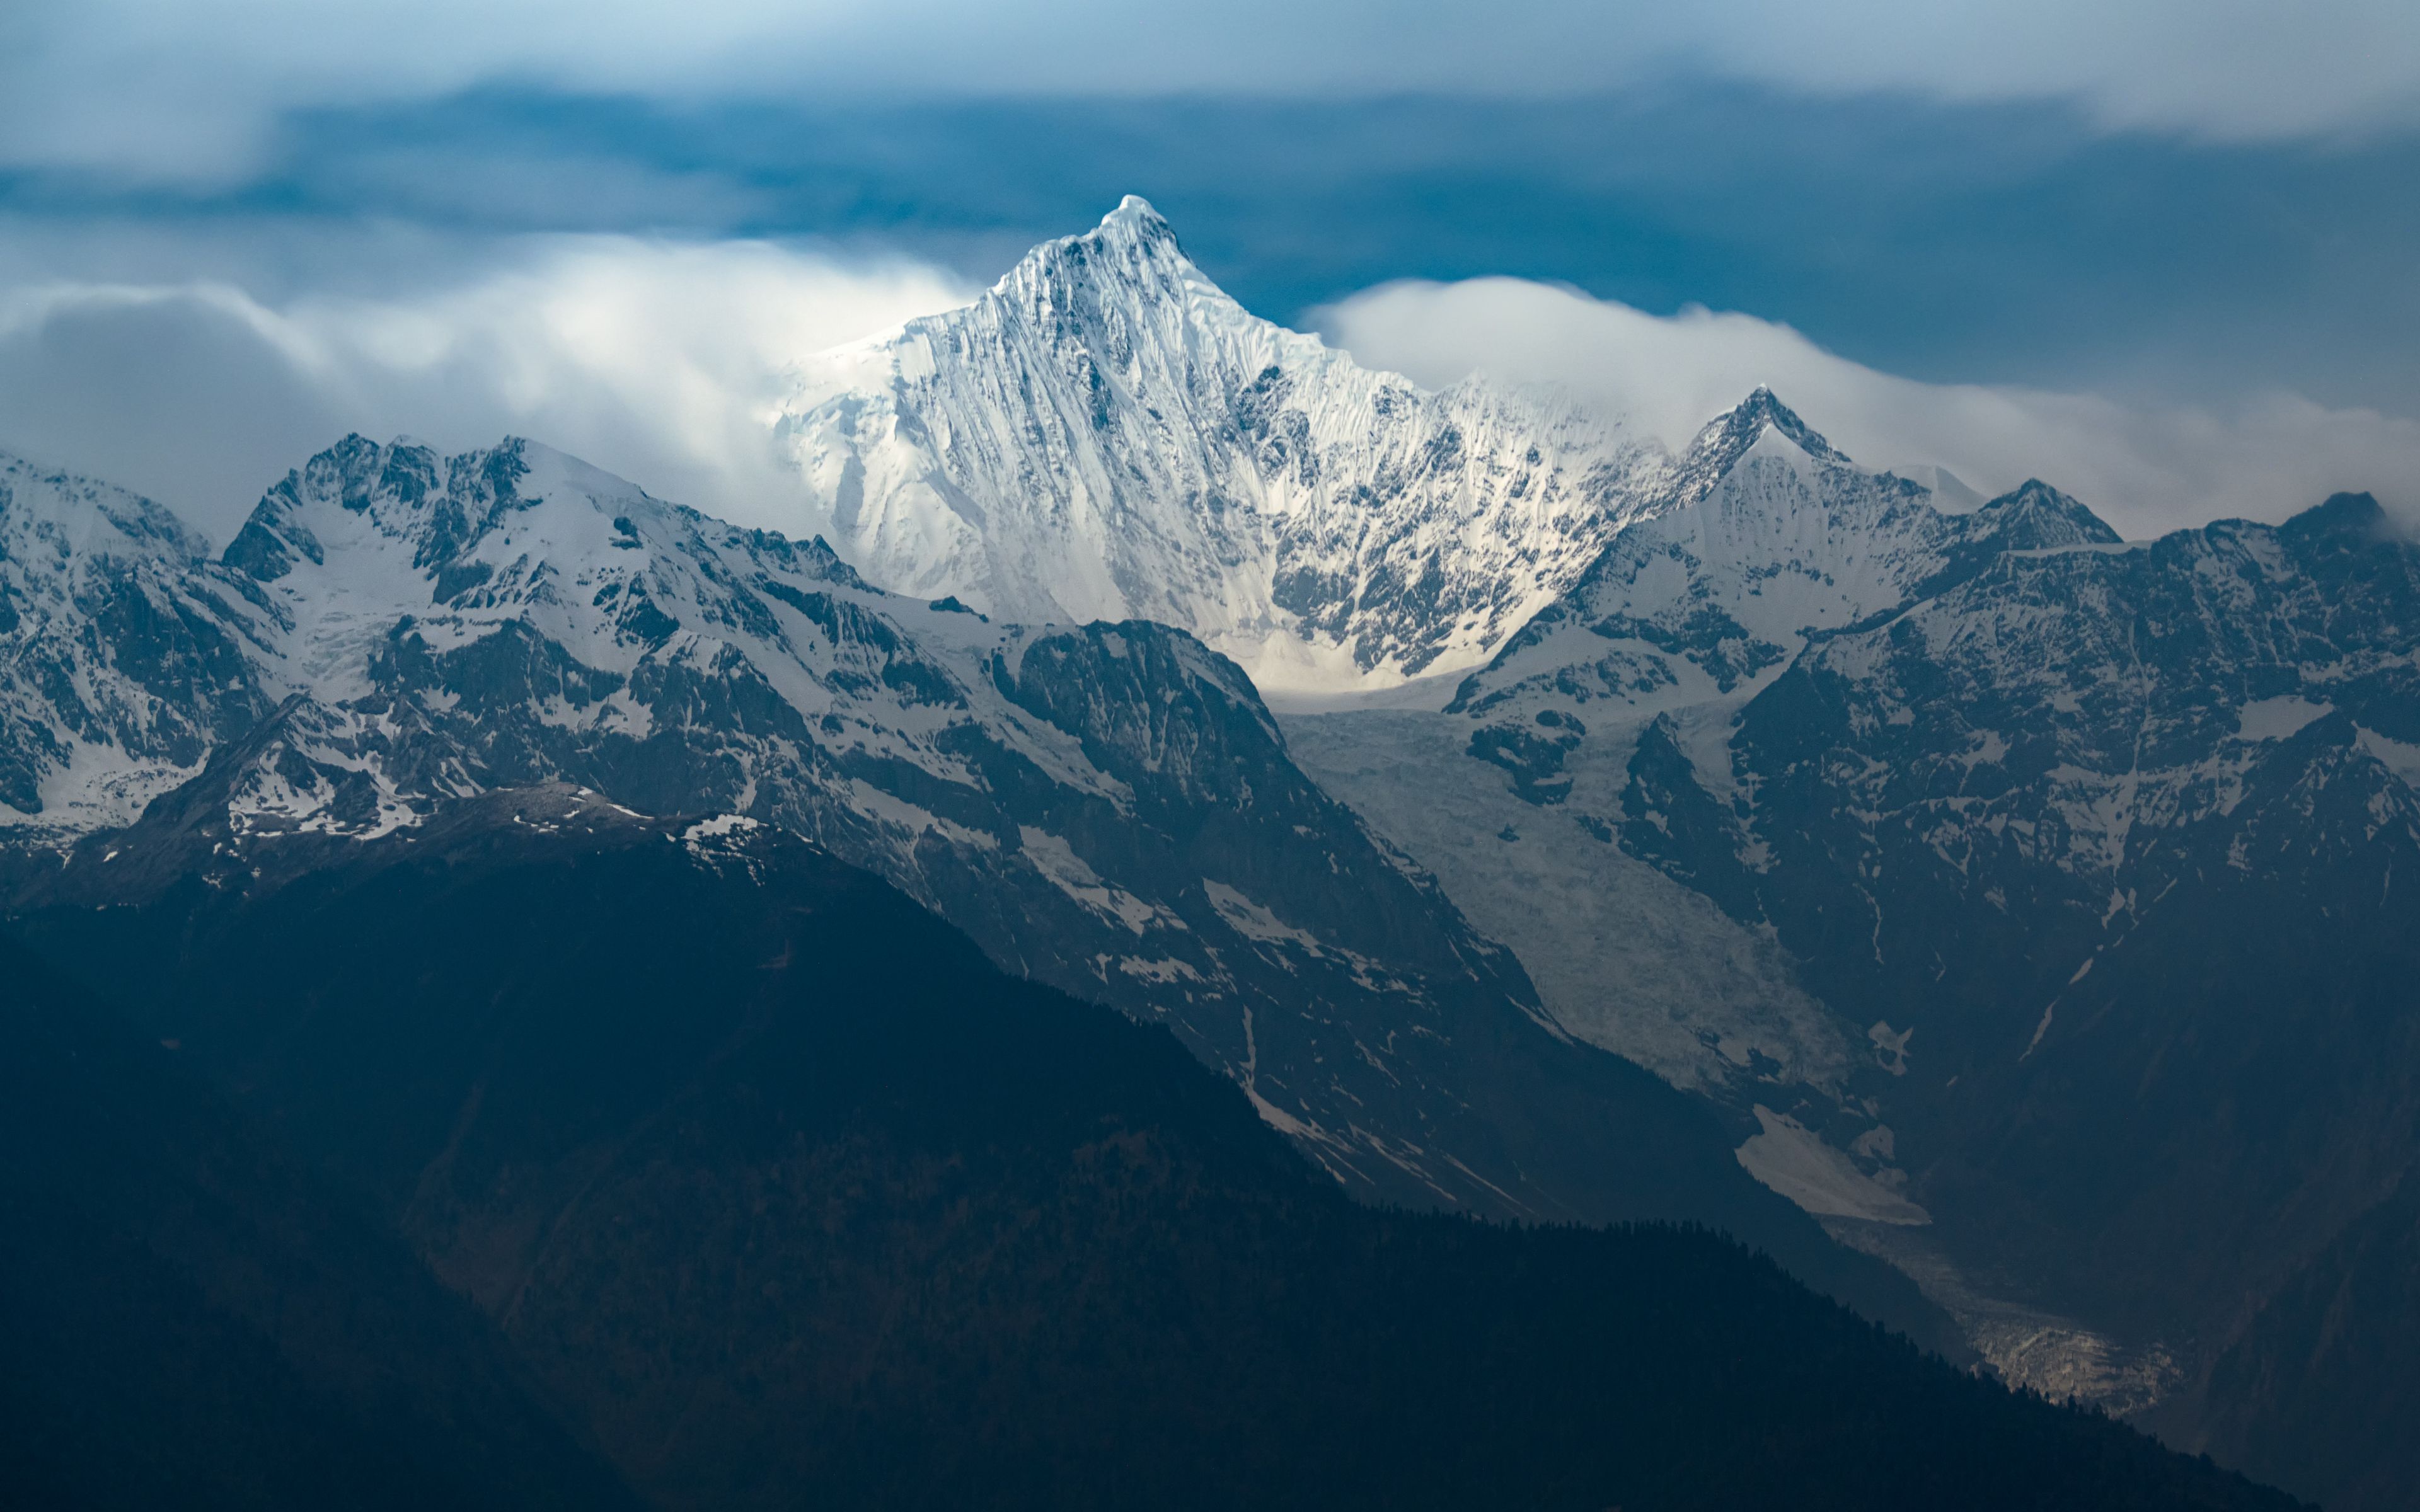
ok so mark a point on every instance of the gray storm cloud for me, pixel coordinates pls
(2145, 468)
(194, 88)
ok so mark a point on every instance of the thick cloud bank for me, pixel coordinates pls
(194, 88)
(2144, 468)
(657, 361)
(664, 360)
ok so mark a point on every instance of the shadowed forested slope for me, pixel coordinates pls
(190, 1318)
(790, 1198)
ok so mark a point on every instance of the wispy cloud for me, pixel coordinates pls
(660, 361)
(2145, 467)
(665, 360)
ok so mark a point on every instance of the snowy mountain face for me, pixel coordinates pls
(1108, 810)
(2115, 833)
(1107, 436)
(125, 656)
(2040, 896)
(1776, 541)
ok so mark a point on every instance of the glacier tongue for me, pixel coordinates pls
(1105, 435)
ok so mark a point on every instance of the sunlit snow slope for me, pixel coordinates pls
(1105, 435)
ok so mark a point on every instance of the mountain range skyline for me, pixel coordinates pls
(665, 842)
(658, 352)
(392, 626)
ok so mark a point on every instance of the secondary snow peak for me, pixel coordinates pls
(2036, 517)
(1763, 410)
(1728, 438)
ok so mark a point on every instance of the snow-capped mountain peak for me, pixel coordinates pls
(1105, 435)
(461, 544)
(124, 650)
(79, 517)
(2035, 516)
(1759, 419)
(1766, 534)
(1098, 277)
(1136, 212)
(1733, 431)
(403, 497)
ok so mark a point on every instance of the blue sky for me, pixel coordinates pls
(2183, 209)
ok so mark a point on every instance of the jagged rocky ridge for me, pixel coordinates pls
(2059, 881)
(1108, 810)
(1105, 435)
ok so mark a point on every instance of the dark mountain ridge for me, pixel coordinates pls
(782, 1193)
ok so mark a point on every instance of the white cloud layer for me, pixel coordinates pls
(193, 88)
(2144, 468)
(660, 362)
(664, 361)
